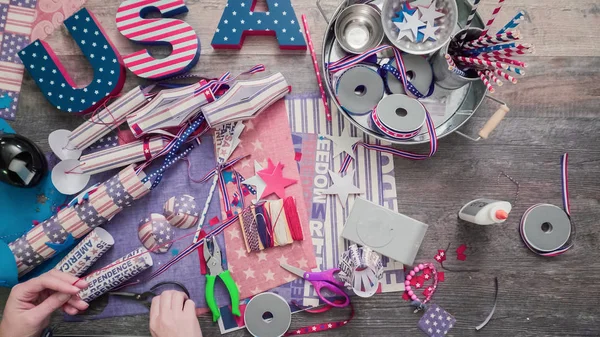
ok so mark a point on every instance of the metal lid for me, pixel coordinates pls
(358, 28)
(546, 227)
(401, 113)
(359, 89)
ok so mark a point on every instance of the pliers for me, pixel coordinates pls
(215, 269)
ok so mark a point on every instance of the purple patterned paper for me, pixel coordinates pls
(436, 322)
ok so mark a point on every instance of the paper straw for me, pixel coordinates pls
(486, 41)
(490, 48)
(505, 75)
(491, 20)
(513, 23)
(486, 82)
(115, 274)
(313, 55)
(493, 77)
(86, 253)
(508, 52)
(457, 71)
(470, 19)
(506, 60)
(449, 60)
(516, 70)
(481, 62)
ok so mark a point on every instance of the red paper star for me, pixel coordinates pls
(460, 252)
(441, 276)
(405, 296)
(426, 271)
(275, 181)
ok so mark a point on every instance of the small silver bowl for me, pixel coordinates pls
(358, 28)
(447, 23)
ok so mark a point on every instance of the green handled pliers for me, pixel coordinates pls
(215, 269)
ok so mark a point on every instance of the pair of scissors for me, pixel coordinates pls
(146, 297)
(322, 279)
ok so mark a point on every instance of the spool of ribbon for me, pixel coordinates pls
(155, 232)
(419, 76)
(181, 212)
(358, 89)
(361, 270)
(546, 229)
(399, 116)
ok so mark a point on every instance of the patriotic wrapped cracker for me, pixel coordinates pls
(116, 273)
(122, 155)
(110, 198)
(154, 233)
(107, 119)
(181, 212)
(86, 253)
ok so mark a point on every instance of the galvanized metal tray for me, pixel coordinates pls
(449, 109)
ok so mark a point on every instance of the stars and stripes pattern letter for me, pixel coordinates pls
(177, 33)
(49, 74)
(240, 20)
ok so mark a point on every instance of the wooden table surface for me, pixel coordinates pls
(554, 109)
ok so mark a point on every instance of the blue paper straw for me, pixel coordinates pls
(491, 48)
(512, 24)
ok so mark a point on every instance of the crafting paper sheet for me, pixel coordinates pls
(124, 226)
(267, 136)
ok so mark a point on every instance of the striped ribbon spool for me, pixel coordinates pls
(570, 240)
(412, 122)
(384, 69)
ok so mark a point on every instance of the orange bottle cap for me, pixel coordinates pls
(501, 214)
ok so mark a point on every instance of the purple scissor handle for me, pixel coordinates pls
(326, 279)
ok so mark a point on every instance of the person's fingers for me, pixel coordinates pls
(66, 277)
(177, 300)
(48, 281)
(70, 310)
(189, 308)
(47, 307)
(78, 303)
(165, 301)
(155, 308)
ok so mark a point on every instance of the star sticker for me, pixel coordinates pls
(269, 275)
(342, 186)
(275, 181)
(429, 13)
(343, 142)
(428, 33)
(404, 33)
(413, 23)
(406, 9)
(262, 256)
(256, 180)
(249, 273)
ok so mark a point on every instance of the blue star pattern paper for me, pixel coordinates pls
(5, 101)
(436, 322)
(48, 73)
(239, 20)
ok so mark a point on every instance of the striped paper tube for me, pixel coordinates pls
(106, 201)
(470, 19)
(508, 52)
(486, 41)
(486, 82)
(481, 62)
(106, 120)
(516, 70)
(122, 155)
(506, 60)
(115, 274)
(86, 253)
(493, 77)
(449, 60)
(491, 20)
(505, 75)
(513, 23)
(313, 55)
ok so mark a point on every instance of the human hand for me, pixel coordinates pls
(30, 304)
(173, 315)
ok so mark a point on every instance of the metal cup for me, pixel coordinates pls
(445, 77)
(358, 28)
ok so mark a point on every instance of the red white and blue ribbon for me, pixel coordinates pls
(397, 152)
(218, 170)
(566, 207)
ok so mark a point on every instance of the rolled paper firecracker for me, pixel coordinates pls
(106, 120)
(181, 212)
(115, 274)
(86, 253)
(361, 270)
(155, 233)
(170, 108)
(105, 202)
(122, 155)
(359, 89)
(245, 99)
(399, 116)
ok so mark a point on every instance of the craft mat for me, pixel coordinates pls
(123, 227)
(22, 21)
(374, 175)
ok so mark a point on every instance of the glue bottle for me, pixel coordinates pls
(485, 211)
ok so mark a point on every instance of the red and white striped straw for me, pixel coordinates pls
(508, 52)
(493, 77)
(506, 60)
(482, 62)
(316, 66)
(491, 20)
(450, 60)
(486, 41)
(486, 82)
(506, 76)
